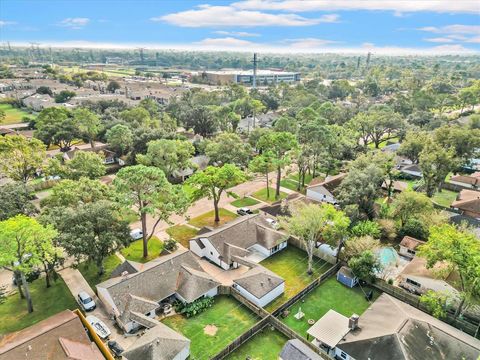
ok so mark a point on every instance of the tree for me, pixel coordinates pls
(214, 181)
(463, 142)
(56, 126)
(365, 265)
(355, 246)
(88, 123)
(44, 90)
(64, 95)
(278, 144)
(21, 158)
(86, 164)
(15, 199)
(202, 120)
(136, 117)
(168, 155)
(112, 86)
(120, 138)
(3, 115)
(147, 191)
(436, 303)
(21, 238)
(410, 204)
(93, 230)
(435, 163)
(316, 223)
(228, 148)
(263, 164)
(413, 145)
(459, 250)
(366, 228)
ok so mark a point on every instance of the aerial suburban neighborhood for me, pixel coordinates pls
(242, 180)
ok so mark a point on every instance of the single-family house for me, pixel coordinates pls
(392, 329)
(199, 162)
(413, 170)
(391, 148)
(471, 181)
(107, 155)
(324, 190)
(416, 278)
(346, 277)
(409, 245)
(244, 236)
(397, 186)
(135, 295)
(468, 203)
(295, 349)
(259, 285)
(60, 337)
(159, 343)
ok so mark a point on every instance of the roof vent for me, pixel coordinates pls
(124, 273)
(261, 283)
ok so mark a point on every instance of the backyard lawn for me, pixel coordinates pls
(291, 184)
(13, 115)
(308, 178)
(329, 295)
(208, 219)
(265, 345)
(262, 195)
(214, 328)
(445, 197)
(46, 302)
(291, 264)
(246, 201)
(182, 234)
(134, 251)
(90, 271)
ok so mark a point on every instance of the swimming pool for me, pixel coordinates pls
(387, 256)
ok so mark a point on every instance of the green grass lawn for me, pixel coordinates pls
(444, 198)
(265, 345)
(46, 302)
(13, 115)
(229, 316)
(134, 251)
(262, 195)
(291, 184)
(329, 295)
(291, 264)
(246, 201)
(182, 234)
(208, 219)
(90, 271)
(308, 178)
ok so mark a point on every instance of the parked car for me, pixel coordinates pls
(244, 211)
(99, 326)
(33, 275)
(272, 222)
(136, 234)
(86, 301)
(115, 348)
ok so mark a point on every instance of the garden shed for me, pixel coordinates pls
(346, 277)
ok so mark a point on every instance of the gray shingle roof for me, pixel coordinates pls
(259, 281)
(192, 283)
(158, 343)
(296, 350)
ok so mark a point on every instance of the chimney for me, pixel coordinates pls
(353, 322)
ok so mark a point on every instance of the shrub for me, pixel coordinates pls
(194, 308)
(387, 229)
(366, 228)
(170, 245)
(414, 228)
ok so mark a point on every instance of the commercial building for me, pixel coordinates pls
(264, 77)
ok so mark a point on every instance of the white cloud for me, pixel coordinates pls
(236, 33)
(397, 6)
(5, 23)
(227, 16)
(308, 43)
(224, 43)
(74, 23)
(452, 29)
(475, 40)
(439, 40)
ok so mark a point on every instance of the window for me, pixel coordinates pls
(414, 283)
(411, 251)
(343, 355)
(211, 253)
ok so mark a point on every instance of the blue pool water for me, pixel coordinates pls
(387, 256)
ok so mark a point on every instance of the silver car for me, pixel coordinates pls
(86, 301)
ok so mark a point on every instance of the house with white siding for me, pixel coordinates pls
(324, 191)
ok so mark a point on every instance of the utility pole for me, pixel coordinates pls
(254, 82)
(368, 59)
(358, 62)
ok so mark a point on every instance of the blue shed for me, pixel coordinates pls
(346, 277)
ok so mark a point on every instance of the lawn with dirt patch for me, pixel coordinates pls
(262, 195)
(90, 271)
(291, 264)
(134, 251)
(226, 319)
(329, 295)
(265, 345)
(208, 219)
(243, 202)
(182, 234)
(46, 302)
(13, 115)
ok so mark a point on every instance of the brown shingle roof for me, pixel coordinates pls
(411, 243)
(470, 180)
(468, 200)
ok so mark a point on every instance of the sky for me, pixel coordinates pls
(291, 26)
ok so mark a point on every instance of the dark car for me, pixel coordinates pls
(115, 347)
(244, 211)
(33, 275)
